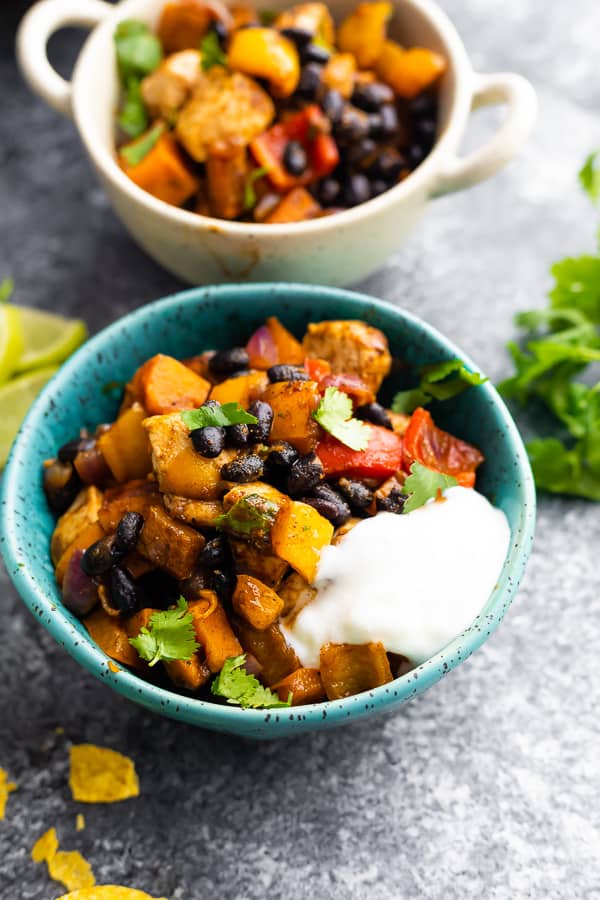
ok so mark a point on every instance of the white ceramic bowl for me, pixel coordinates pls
(334, 250)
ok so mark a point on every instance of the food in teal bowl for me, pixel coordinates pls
(324, 563)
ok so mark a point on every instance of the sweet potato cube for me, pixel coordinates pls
(183, 24)
(339, 72)
(170, 544)
(125, 445)
(213, 630)
(408, 72)
(304, 685)
(226, 177)
(86, 537)
(298, 536)
(348, 669)
(244, 389)
(271, 649)
(296, 206)
(289, 350)
(363, 32)
(110, 633)
(83, 511)
(137, 495)
(293, 404)
(255, 602)
(168, 385)
(249, 559)
(188, 674)
(163, 172)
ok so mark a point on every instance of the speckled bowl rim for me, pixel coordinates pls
(229, 718)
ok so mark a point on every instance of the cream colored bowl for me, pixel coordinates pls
(334, 250)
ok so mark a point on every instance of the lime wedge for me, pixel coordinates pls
(48, 338)
(11, 340)
(16, 396)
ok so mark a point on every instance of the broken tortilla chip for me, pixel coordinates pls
(45, 847)
(100, 775)
(79, 822)
(6, 788)
(72, 869)
(108, 892)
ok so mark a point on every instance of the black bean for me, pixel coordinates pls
(423, 105)
(425, 131)
(99, 557)
(375, 413)
(259, 433)
(160, 590)
(314, 53)
(327, 494)
(388, 165)
(297, 36)
(378, 186)
(416, 154)
(123, 591)
(285, 372)
(361, 150)
(128, 532)
(394, 502)
(237, 435)
(228, 361)
(371, 96)
(332, 104)
(220, 30)
(385, 123)
(357, 190)
(223, 582)
(358, 495)
(215, 553)
(282, 456)
(328, 190)
(69, 451)
(208, 441)
(310, 81)
(305, 474)
(352, 125)
(294, 158)
(61, 485)
(243, 469)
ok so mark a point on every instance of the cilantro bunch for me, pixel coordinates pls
(557, 366)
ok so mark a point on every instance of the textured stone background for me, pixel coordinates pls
(485, 787)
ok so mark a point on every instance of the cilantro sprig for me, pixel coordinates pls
(212, 52)
(554, 364)
(424, 484)
(219, 416)
(240, 688)
(139, 52)
(249, 190)
(439, 381)
(334, 414)
(135, 152)
(251, 516)
(169, 636)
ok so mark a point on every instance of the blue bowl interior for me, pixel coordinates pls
(86, 391)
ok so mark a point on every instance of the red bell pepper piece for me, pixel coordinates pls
(316, 368)
(380, 459)
(308, 127)
(424, 442)
(352, 385)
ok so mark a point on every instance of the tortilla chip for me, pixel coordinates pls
(70, 867)
(6, 788)
(108, 892)
(79, 822)
(45, 847)
(100, 775)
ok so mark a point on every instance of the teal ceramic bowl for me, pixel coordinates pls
(188, 323)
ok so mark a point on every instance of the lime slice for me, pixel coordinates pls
(16, 396)
(11, 340)
(48, 338)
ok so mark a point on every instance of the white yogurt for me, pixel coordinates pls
(412, 581)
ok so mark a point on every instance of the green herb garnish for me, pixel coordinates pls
(219, 416)
(424, 484)
(139, 51)
(7, 286)
(242, 689)
(249, 191)
(133, 118)
(439, 381)
(252, 516)
(563, 341)
(212, 52)
(334, 414)
(169, 636)
(267, 17)
(137, 151)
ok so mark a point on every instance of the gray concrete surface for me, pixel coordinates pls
(485, 787)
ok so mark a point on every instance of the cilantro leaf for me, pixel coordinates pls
(7, 286)
(267, 17)
(212, 52)
(220, 416)
(589, 176)
(135, 152)
(139, 51)
(169, 636)
(334, 414)
(424, 484)
(240, 688)
(252, 516)
(249, 192)
(577, 285)
(436, 384)
(133, 118)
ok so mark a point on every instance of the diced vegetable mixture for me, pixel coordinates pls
(191, 528)
(245, 116)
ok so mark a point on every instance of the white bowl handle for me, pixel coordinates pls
(36, 28)
(518, 94)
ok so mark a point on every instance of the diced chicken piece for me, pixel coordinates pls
(170, 544)
(82, 512)
(199, 513)
(224, 106)
(351, 347)
(165, 90)
(251, 560)
(295, 592)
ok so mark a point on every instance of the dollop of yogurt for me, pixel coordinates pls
(413, 582)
